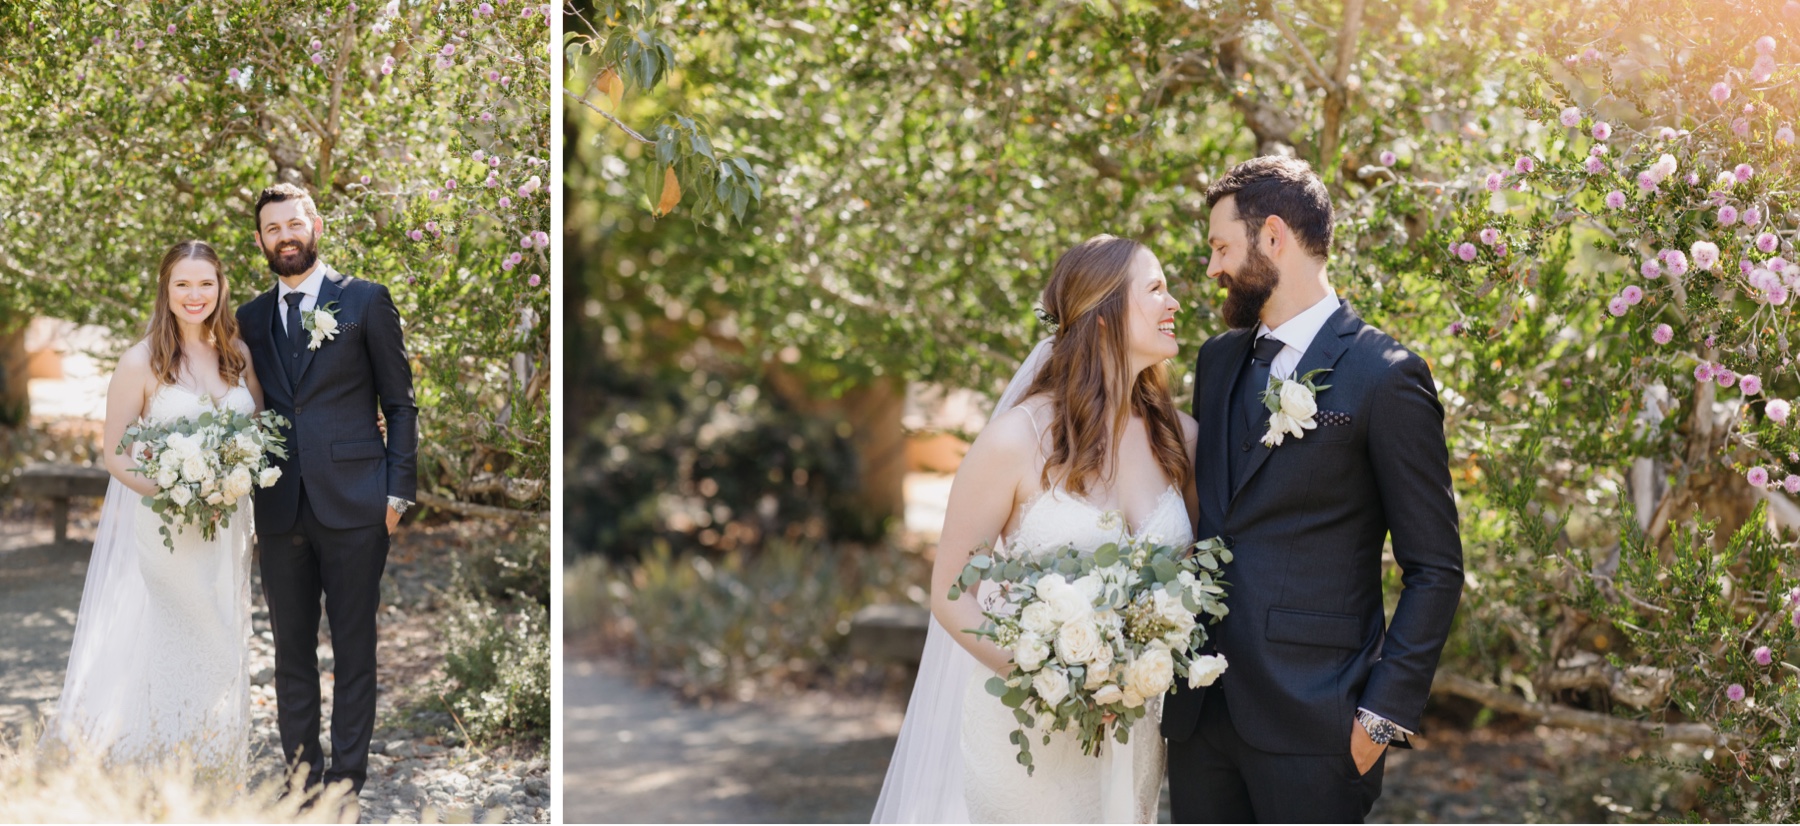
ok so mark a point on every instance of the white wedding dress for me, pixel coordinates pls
(955, 761)
(159, 668)
(1068, 786)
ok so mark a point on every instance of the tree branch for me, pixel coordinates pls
(472, 509)
(608, 115)
(1560, 716)
(1312, 64)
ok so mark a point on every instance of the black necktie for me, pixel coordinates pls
(294, 319)
(1261, 357)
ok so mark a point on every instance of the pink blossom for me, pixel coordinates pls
(540, 239)
(448, 50)
(1734, 692)
(534, 280)
(1667, 133)
(1721, 92)
(434, 194)
(1387, 158)
(494, 162)
(1762, 69)
(1762, 655)
(1703, 372)
(1706, 254)
(478, 156)
(1767, 242)
(387, 68)
(1752, 217)
(1765, 45)
(1727, 215)
(1677, 262)
(365, 180)
(1795, 619)
(445, 63)
(487, 117)
(1784, 135)
(492, 181)
(450, 183)
(1693, 179)
(233, 74)
(1647, 182)
(415, 235)
(1594, 165)
(432, 227)
(507, 264)
(1757, 476)
(1633, 294)
(1778, 295)
(1466, 251)
(1592, 54)
(1494, 180)
(1663, 334)
(1597, 150)
(517, 258)
(1791, 484)
(1724, 377)
(318, 59)
(493, 76)
(316, 45)
(1615, 199)
(525, 241)
(138, 43)
(1490, 236)
(1751, 384)
(505, 203)
(1524, 164)
(1618, 306)
(1743, 172)
(1570, 117)
(1651, 268)
(171, 28)
(1711, 342)
(1602, 131)
(1741, 127)
(485, 9)
(1500, 249)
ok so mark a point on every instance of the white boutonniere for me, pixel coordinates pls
(1292, 404)
(322, 324)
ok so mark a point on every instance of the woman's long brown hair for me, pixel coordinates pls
(1086, 373)
(164, 334)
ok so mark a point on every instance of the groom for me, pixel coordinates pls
(328, 351)
(1319, 684)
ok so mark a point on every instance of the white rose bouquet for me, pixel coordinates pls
(1100, 633)
(204, 465)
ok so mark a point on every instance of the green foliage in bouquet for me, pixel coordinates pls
(205, 465)
(1141, 600)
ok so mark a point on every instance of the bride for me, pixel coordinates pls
(1084, 448)
(159, 666)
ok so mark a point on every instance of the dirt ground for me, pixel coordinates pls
(637, 753)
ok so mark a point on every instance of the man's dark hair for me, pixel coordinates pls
(1277, 185)
(284, 192)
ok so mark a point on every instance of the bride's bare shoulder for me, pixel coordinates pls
(137, 357)
(1013, 435)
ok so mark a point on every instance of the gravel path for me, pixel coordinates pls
(417, 759)
(634, 753)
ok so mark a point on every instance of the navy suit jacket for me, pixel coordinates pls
(1305, 637)
(334, 445)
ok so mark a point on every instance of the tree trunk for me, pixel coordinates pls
(15, 397)
(873, 412)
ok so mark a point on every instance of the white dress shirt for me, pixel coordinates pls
(1298, 334)
(309, 288)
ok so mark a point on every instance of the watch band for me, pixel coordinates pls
(1381, 730)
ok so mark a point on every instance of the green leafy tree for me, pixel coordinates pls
(422, 130)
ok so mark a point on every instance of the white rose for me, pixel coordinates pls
(1132, 698)
(1077, 642)
(325, 323)
(1097, 675)
(318, 338)
(1051, 685)
(1065, 602)
(1204, 670)
(1038, 618)
(195, 469)
(168, 477)
(180, 495)
(1090, 587)
(1108, 695)
(1103, 656)
(1151, 673)
(215, 498)
(1031, 651)
(268, 477)
(1281, 426)
(248, 443)
(1297, 401)
(1172, 612)
(238, 484)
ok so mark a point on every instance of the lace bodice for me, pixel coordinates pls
(1056, 518)
(173, 401)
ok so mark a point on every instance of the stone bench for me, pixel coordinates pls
(889, 633)
(60, 483)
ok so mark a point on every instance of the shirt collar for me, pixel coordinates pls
(1300, 330)
(309, 287)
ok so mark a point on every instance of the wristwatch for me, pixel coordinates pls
(1380, 729)
(399, 505)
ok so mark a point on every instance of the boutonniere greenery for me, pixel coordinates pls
(1292, 404)
(322, 324)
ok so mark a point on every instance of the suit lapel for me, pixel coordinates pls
(1323, 353)
(1218, 413)
(260, 334)
(329, 291)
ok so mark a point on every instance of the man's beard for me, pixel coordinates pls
(1249, 289)
(309, 255)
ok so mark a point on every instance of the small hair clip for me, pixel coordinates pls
(1049, 319)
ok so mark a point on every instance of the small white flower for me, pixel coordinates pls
(1076, 642)
(1151, 673)
(167, 477)
(238, 484)
(215, 497)
(322, 324)
(1205, 671)
(1052, 685)
(1108, 695)
(1038, 618)
(1297, 401)
(268, 477)
(195, 469)
(1031, 652)
(180, 495)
